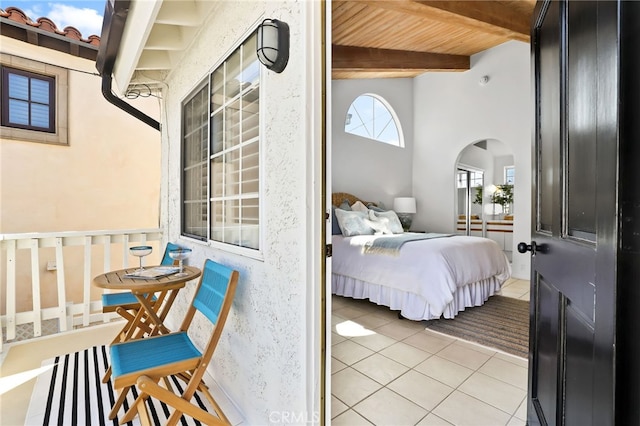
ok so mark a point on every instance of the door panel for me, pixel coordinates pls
(567, 73)
(544, 388)
(578, 368)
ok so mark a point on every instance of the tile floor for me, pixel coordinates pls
(387, 371)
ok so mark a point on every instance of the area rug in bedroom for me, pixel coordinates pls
(501, 323)
(70, 392)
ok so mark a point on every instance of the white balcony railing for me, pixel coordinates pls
(48, 276)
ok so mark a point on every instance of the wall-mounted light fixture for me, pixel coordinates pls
(273, 44)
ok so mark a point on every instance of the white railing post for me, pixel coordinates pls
(106, 317)
(86, 293)
(35, 288)
(125, 251)
(79, 272)
(62, 294)
(11, 290)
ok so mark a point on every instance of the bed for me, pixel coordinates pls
(424, 279)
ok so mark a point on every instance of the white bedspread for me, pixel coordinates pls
(434, 269)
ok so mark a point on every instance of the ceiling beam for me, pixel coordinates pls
(500, 18)
(352, 58)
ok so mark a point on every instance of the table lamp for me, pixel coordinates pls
(405, 207)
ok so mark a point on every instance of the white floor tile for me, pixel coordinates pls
(421, 389)
(506, 372)
(447, 372)
(350, 352)
(405, 354)
(350, 418)
(380, 368)
(433, 420)
(464, 356)
(388, 408)
(337, 407)
(351, 386)
(493, 391)
(463, 410)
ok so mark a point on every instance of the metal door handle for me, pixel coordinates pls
(524, 247)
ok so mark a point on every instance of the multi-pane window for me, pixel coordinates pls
(28, 100)
(221, 191)
(509, 175)
(195, 161)
(371, 117)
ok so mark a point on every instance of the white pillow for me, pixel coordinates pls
(380, 226)
(390, 220)
(358, 206)
(353, 223)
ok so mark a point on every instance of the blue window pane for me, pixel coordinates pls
(18, 87)
(40, 115)
(39, 91)
(18, 112)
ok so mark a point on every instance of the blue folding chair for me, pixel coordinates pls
(144, 362)
(126, 305)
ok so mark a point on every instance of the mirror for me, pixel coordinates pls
(469, 200)
(484, 186)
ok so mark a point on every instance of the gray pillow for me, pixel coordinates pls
(390, 218)
(345, 206)
(335, 228)
(354, 223)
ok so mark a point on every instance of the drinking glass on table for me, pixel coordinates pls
(180, 254)
(141, 251)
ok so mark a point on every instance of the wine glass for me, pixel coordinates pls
(180, 254)
(140, 251)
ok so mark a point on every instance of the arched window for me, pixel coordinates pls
(370, 116)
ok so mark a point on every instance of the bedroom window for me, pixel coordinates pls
(509, 175)
(221, 153)
(371, 117)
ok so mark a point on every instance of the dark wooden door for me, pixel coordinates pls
(583, 122)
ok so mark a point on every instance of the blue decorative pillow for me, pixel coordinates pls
(335, 228)
(345, 206)
(354, 223)
(374, 208)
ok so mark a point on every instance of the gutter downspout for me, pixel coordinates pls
(115, 17)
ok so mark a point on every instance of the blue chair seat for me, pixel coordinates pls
(120, 299)
(140, 355)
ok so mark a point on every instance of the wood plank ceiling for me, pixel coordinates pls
(406, 38)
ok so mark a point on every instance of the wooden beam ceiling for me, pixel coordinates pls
(352, 58)
(405, 38)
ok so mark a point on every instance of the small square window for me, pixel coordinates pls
(29, 100)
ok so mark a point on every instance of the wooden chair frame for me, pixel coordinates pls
(190, 368)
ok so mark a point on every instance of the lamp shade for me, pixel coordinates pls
(404, 205)
(273, 44)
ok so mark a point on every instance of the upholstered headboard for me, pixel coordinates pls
(338, 197)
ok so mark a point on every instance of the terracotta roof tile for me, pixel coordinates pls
(46, 24)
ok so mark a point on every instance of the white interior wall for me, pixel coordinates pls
(371, 170)
(454, 110)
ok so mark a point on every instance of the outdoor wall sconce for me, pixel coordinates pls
(273, 44)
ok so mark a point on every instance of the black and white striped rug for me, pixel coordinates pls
(71, 392)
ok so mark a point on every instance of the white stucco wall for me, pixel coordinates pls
(371, 170)
(262, 360)
(454, 110)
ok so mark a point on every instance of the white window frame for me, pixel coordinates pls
(206, 84)
(392, 112)
(506, 168)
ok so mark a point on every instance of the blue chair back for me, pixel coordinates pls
(210, 295)
(166, 259)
